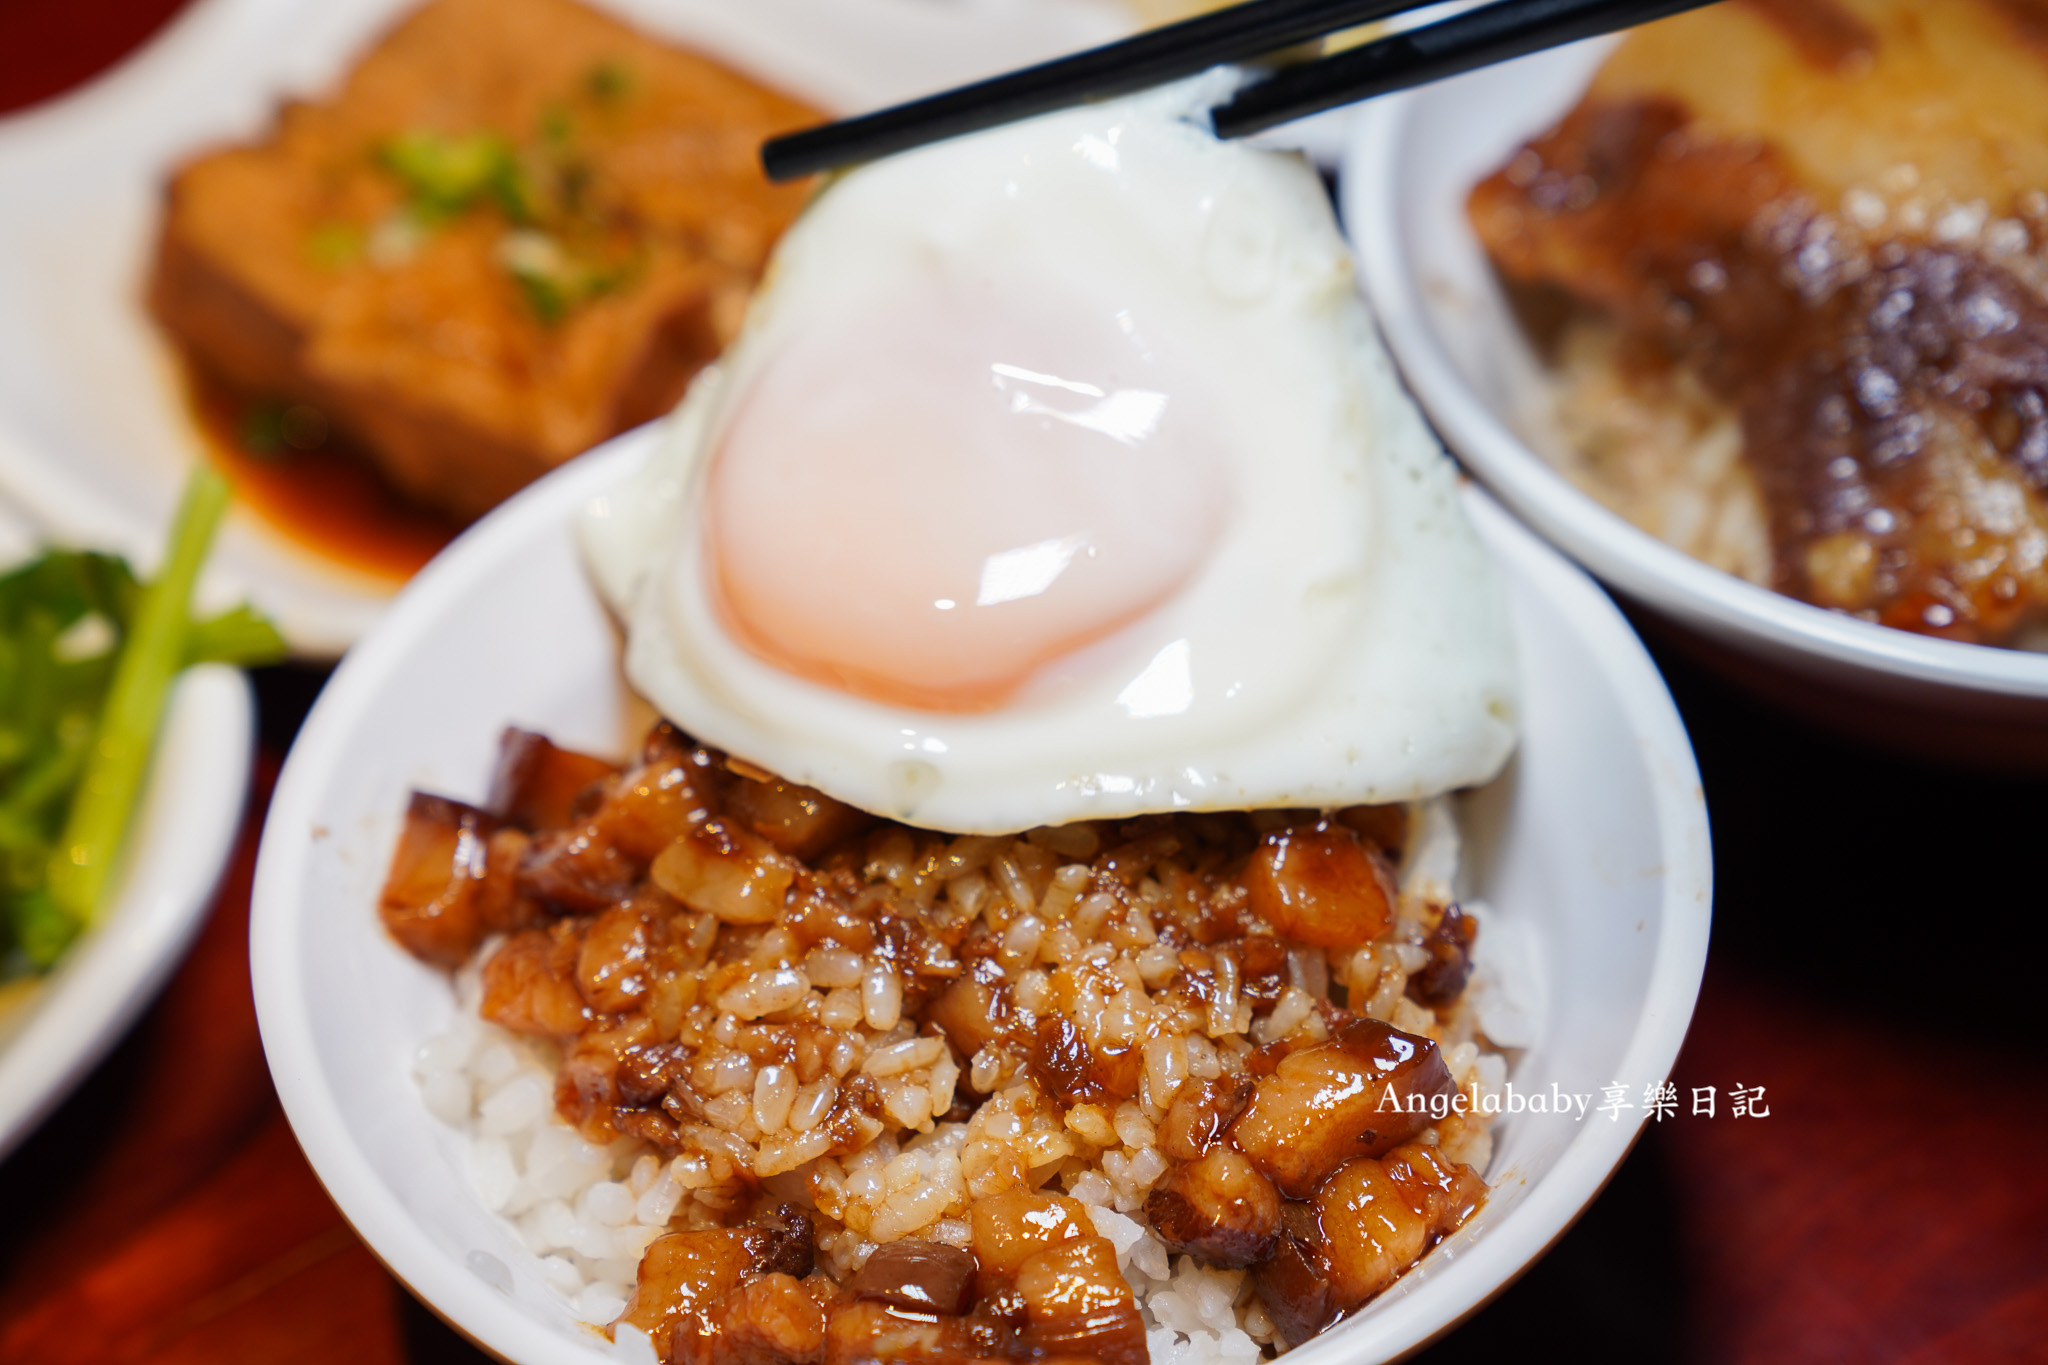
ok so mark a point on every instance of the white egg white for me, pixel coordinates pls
(1345, 640)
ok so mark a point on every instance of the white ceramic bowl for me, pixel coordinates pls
(184, 829)
(1413, 160)
(1593, 849)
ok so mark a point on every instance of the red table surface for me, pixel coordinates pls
(1878, 925)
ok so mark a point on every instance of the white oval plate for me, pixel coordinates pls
(1412, 162)
(184, 829)
(95, 436)
(1592, 848)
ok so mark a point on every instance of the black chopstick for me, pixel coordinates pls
(1463, 42)
(1474, 38)
(1237, 34)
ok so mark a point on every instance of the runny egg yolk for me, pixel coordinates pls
(940, 498)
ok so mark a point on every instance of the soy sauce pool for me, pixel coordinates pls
(306, 481)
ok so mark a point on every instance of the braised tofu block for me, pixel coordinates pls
(516, 229)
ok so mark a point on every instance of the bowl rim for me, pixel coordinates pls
(112, 974)
(1459, 1284)
(1618, 552)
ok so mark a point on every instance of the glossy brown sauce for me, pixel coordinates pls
(319, 493)
(1892, 391)
(2029, 20)
(1825, 34)
(644, 908)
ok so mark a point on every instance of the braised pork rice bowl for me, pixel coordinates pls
(1031, 930)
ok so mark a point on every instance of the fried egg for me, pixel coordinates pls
(1058, 473)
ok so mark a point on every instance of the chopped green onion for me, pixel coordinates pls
(334, 246)
(608, 81)
(262, 430)
(444, 175)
